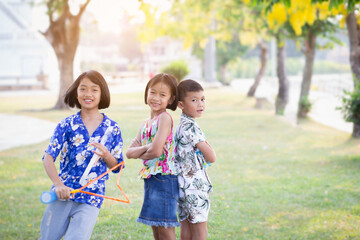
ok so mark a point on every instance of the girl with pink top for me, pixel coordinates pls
(154, 144)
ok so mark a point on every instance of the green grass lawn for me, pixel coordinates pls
(272, 180)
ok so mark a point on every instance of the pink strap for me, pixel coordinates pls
(157, 118)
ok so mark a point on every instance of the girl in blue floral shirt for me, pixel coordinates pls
(75, 139)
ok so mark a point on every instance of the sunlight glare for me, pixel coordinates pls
(108, 13)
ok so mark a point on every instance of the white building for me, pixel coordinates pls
(24, 52)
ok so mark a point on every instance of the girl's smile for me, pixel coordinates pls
(158, 98)
(88, 94)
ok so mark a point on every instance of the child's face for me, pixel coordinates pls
(193, 104)
(88, 94)
(159, 97)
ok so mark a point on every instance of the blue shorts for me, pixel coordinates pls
(161, 194)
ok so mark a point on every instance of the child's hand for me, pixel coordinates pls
(147, 146)
(165, 148)
(62, 191)
(135, 143)
(101, 150)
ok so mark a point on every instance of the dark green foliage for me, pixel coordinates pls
(305, 104)
(351, 105)
(229, 51)
(178, 69)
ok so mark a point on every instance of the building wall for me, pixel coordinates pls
(24, 53)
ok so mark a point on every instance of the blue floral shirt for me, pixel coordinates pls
(72, 141)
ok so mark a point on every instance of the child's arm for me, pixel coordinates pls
(207, 151)
(135, 149)
(104, 153)
(156, 148)
(62, 191)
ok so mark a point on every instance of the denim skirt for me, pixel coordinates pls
(161, 194)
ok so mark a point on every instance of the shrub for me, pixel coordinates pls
(305, 103)
(178, 69)
(351, 106)
(304, 106)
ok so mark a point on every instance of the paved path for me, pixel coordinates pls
(323, 109)
(17, 130)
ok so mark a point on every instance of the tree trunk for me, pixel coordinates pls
(354, 39)
(66, 66)
(283, 93)
(63, 35)
(223, 74)
(263, 61)
(210, 60)
(356, 131)
(307, 74)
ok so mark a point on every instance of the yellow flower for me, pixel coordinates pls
(342, 22)
(323, 10)
(277, 16)
(270, 21)
(279, 13)
(297, 21)
(341, 9)
(310, 14)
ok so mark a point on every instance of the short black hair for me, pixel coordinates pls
(71, 95)
(186, 86)
(170, 81)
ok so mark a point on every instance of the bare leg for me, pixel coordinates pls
(155, 233)
(199, 230)
(162, 233)
(185, 231)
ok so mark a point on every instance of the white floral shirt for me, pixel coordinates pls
(189, 159)
(194, 183)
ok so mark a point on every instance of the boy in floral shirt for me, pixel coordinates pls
(192, 155)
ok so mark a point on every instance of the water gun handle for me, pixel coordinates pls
(49, 197)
